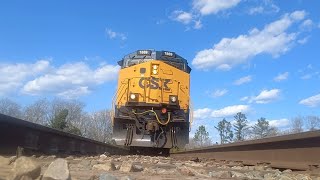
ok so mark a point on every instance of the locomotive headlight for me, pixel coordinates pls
(173, 99)
(155, 69)
(155, 66)
(132, 96)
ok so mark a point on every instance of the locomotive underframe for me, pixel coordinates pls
(136, 125)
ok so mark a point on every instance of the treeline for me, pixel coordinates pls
(68, 116)
(239, 129)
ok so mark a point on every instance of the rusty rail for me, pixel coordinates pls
(34, 138)
(299, 151)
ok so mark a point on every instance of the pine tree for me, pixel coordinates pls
(262, 128)
(202, 137)
(240, 126)
(225, 131)
(59, 120)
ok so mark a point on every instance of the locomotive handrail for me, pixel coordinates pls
(112, 112)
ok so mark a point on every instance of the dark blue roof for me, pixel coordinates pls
(166, 56)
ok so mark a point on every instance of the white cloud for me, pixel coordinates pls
(207, 7)
(197, 24)
(243, 80)
(229, 111)
(199, 9)
(114, 35)
(266, 96)
(220, 113)
(307, 24)
(74, 93)
(219, 93)
(273, 39)
(202, 113)
(279, 123)
(312, 101)
(303, 40)
(182, 16)
(245, 98)
(14, 75)
(264, 7)
(70, 80)
(256, 10)
(281, 77)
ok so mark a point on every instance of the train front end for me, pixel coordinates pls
(151, 106)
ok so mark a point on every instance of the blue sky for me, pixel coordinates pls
(258, 57)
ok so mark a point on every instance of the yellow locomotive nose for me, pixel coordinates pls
(151, 106)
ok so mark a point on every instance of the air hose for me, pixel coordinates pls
(169, 116)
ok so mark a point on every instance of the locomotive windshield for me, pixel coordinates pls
(142, 56)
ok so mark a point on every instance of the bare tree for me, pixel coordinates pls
(75, 111)
(10, 108)
(313, 122)
(37, 112)
(297, 124)
(100, 127)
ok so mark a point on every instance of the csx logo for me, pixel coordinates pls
(154, 83)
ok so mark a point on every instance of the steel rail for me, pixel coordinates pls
(299, 151)
(34, 138)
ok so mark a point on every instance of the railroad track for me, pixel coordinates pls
(33, 138)
(299, 151)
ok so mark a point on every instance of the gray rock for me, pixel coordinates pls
(12, 159)
(254, 175)
(127, 178)
(94, 162)
(4, 161)
(186, 171)
(57, 170)
(221, 174)
(260, 168)
(239, 175)
(85, 164)
(107, 166)
(303, 177)
(270, 176)
(105, 176)
(130, 167)
(287, 171)
(102, 156)
(284, 177)
(25, 166)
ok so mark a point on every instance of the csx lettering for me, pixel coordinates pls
(154, 83)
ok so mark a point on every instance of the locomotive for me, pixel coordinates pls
(151, 107)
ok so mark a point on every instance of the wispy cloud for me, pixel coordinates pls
(218, 93)
(312, 101)
(243, 80)
(207, 7)
(115, 35)
(307, 24)
(199, 9)
(264, 7)
(182, 16)
(272, 39)
(281, 77)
